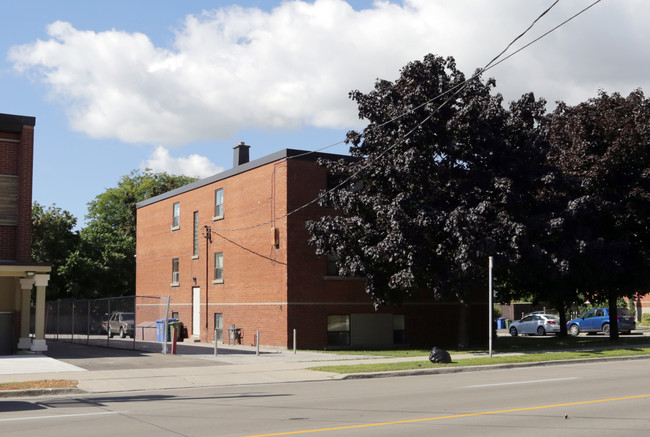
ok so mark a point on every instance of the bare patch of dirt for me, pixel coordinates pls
(44, 383)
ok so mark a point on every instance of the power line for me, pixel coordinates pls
(455, 89)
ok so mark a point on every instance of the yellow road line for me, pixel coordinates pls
(454, 416)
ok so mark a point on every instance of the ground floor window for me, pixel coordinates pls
(338, 330)
(399, 329)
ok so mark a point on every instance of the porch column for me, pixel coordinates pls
(38, 345)
(26, 284)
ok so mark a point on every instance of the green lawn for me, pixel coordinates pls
(532, 348)
(526, 358)
(523, 344)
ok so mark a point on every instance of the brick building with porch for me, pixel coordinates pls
(18, 275)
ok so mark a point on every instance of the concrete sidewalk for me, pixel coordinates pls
(100, 369)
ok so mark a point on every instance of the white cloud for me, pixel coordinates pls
(235, 68)
(194, 165)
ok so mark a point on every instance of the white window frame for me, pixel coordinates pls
(218, 204)
(176, 216)
(195, 241)
(176, 267)
(218, 268)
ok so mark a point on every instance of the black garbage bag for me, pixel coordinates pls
(439, 356)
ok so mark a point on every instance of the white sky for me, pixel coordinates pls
(219, 74)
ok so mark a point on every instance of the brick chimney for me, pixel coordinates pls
(241, 155)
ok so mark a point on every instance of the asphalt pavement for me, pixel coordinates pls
(102, 369)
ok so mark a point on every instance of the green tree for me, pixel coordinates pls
(430, 196)
(602, 149)
(103, 265)
(53, 240)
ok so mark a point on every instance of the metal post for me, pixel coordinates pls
(164, 342)
(135, 321)
(216, 348)
(490, 304)
(88, 325)
(294, 341)
(58, 318)
(72, 331)
(174, 334)
(257, 343)
(108, 327)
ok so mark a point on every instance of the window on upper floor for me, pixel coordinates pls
(332, 267)
(176, 217)
(195, 246)
(218, 204)
(218, 267)
(175, 271)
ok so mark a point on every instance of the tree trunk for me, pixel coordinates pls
(561, 307)
(613, 316)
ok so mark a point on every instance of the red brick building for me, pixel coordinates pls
(18, 275)
(232, 249)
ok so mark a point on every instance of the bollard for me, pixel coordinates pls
(174, 335)
(216, 348)
(257, 343)
(294, 341)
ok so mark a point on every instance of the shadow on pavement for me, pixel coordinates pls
(102, 358)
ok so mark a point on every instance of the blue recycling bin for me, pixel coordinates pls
(501, 323)
(160, 330)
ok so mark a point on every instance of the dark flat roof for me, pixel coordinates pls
(282, 154)
(15, 123)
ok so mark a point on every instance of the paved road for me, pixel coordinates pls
(576, 400)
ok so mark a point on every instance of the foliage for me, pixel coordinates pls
(601, 148)
(108, 257)
(53, 240)
(116, 207)
(430, 196)
(101, 261)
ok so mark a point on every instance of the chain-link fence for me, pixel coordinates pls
(118, 322)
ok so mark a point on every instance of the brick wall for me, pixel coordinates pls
(16, 159)
(25, 168)
(254, 272)
(267, 288)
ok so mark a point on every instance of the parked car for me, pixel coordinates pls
(120, 323)
(597, 320)
(535, 324)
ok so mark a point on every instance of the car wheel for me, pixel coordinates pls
(574, 330)
(122, 334)
(606, 329)
(513, 331)
(541, 331)
(110, 334)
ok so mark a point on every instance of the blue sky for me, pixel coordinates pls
(123, 85)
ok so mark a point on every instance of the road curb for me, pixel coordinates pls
(443, 370)
(39, 392)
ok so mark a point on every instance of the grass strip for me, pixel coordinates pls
(43, 383)
(481, 361)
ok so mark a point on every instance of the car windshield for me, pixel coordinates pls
(551, 317)
(128, 316)
(624, 312)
